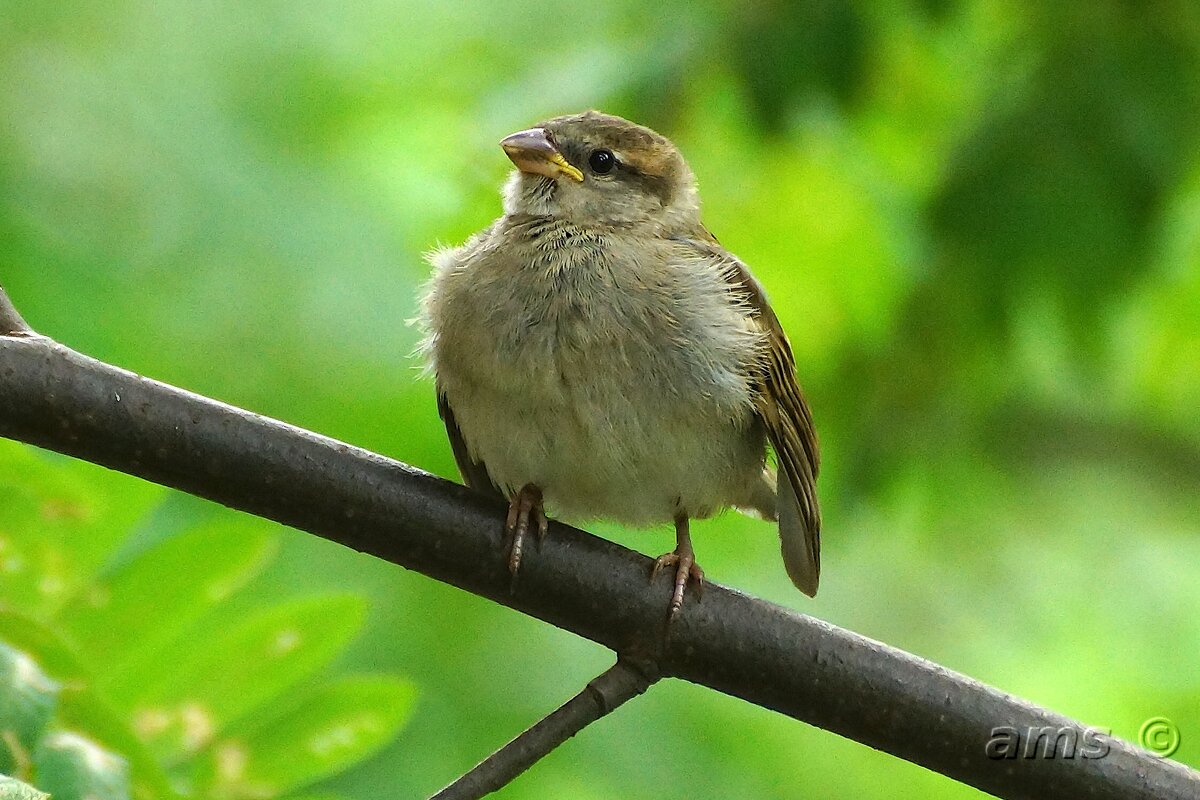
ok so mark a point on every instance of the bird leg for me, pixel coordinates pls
(683, 559)
(525, 506)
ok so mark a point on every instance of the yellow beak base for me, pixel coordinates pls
(533, 152)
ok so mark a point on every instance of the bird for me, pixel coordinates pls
(598, 352)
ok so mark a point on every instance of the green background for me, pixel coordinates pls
(979, 222)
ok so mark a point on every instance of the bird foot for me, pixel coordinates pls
(525, 508)
(686, 568)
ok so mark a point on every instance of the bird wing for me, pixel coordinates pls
(780, 404)
(474, 473)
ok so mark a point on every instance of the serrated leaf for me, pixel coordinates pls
(27, 701)
(242, 670)
(71, 767)
(337, 726)
(13, 789)
(120, 622)
(60, 520)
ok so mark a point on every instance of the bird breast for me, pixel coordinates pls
(612, 370)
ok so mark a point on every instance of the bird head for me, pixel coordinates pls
(595, 168)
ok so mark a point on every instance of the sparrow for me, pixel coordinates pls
(597, 351)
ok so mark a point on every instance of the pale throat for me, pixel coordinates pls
(523, 196)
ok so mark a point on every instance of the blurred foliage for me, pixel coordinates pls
(146, 679)
(978, 219)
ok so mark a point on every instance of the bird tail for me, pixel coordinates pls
(798, 543)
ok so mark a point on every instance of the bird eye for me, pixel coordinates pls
(602, 161)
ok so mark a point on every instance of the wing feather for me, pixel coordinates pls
(474, 472)
(780, 404)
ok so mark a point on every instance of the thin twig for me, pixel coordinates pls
(11, 323)
(56, 398)
(621, 682)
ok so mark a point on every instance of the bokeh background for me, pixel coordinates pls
(979, 220)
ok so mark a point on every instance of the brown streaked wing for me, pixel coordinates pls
(780, 402)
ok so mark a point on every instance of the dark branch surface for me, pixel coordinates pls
(58, 399)
(621, 682)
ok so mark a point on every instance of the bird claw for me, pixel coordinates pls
(524, 507)
(686, 569)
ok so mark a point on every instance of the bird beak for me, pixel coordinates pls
(533, 152)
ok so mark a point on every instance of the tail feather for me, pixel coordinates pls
(801, 556)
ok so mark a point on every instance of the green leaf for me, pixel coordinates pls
(122, 621)
(29, 634)
(59, 521)
(13, 789)
(338, 725)
(244, 669)
(71, 767)
(80, 708)
(27, 701)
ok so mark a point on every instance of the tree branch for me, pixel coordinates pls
(621, 682)
(56, 398)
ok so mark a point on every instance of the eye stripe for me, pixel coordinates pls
(653, 184)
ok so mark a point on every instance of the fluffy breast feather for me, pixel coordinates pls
(556, 344)
(549, 301)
